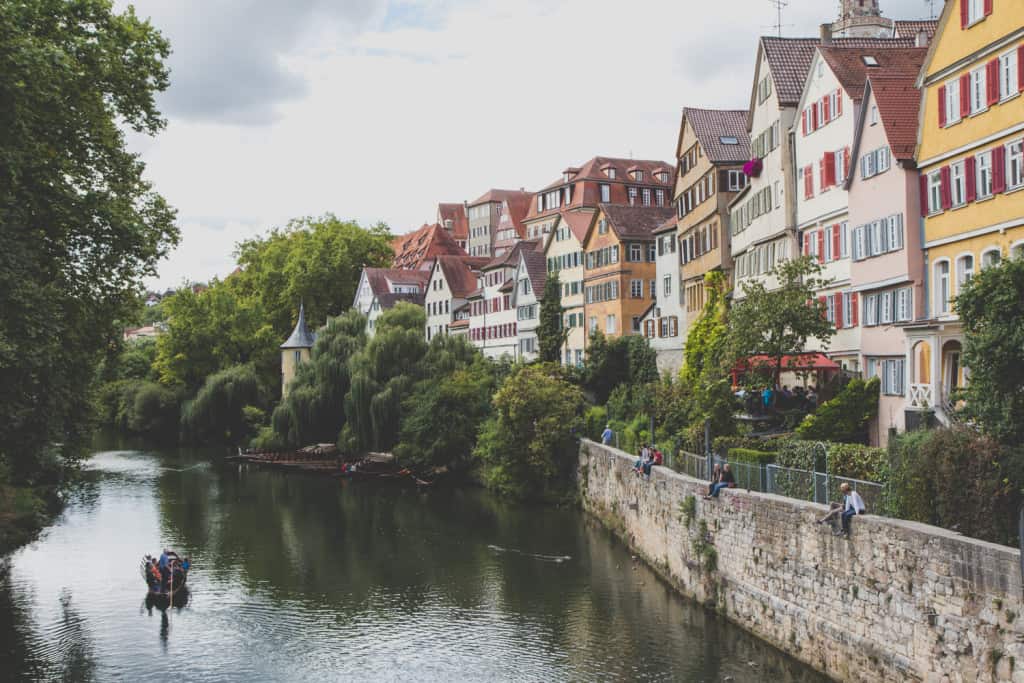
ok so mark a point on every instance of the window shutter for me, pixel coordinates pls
(846, 163)
(821, 246)
(803, 120)
(830, 169)
(838, 306)
(825, 106)
(822, 179)
(947, 195)
(942, 106)
(808, 182)
(999, 169)
(965, 95)
(854, 309)
(839, 102)
(988, 7)
(814, 116)
(992, 81)
(835, 242)
(924, 195)
(969, 166)
(807, 243)
(963, 13)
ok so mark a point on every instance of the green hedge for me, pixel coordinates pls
(750, 455)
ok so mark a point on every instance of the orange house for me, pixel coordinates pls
(619, 267)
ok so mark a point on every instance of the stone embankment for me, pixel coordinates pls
(898, 601)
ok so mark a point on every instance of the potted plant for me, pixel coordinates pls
(753, 168)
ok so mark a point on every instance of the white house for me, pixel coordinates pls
(663, 321)
(452, 278)
(530, 279)
(378, 281)
(492, 320)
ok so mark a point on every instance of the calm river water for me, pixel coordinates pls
(299, 578)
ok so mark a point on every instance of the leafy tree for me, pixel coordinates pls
(218, 413)
(991, 307)
(622, 360)
(705, 372)
(79, 225)
(551, 333)
(779, 322)
(527, 446)
(844, 418)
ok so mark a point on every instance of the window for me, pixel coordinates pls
(737, 181)
(632, 196)
(893, 371)
(958, 183)
(652, 252)
(874, 115)
(606, 193)
(668, 285)
(870, 61)
(593, 323)
(983, 175)
(952, 101)
(638, 176)
(871, 309)
(867, 165)
(974, 11)
(1008, 66)
(609, 324)
(524, 286)
(659, 197)
(904, 304)
(885, 307)
(894, 232)
(654, 289)
(636, 323)
(844, 240)
(1015, 164)
(839, 163)
(635, 252)
(942, 287)
(849, 301)
(964, 270)
(636, 289)
(602, 227)
(830, 308)
(977, 95)
(728, 140)
(934, 192)
(992, 257)
(610, 172)
(875, 238)
(646, 194)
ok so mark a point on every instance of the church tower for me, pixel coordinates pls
(861, 19)
(296, 350)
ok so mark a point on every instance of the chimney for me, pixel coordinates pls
(921, 40)
(826, 34)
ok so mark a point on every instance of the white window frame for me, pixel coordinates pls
(1015, 164)
(885, 308)
(894, 236)
(975, 11)
(847, 309)
(983, 175)
(636, 289)
(934, 193)
(964, 270)
(958, 184)
(987, 262)
(952, 101)
(610, 323)
(943, 291)
(871, 310)
(979, 92)
(1008, 67)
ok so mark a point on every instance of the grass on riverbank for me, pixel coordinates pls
(24, 511)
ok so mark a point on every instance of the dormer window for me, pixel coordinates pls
(662, 177)
(566, 177)
(610, 172)
(728, 140)
(638, 176)
(869, 60)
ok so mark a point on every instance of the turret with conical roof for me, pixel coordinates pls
(296, 350)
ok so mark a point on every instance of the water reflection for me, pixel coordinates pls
(300, 577)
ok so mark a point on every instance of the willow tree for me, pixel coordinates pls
(382, 374)
(227, 409)
(314, 409)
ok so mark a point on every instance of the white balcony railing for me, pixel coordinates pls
(922, 396)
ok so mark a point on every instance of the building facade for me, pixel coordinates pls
(663, 322)
(493, 325)
(564, 255)
(527, 294)
(296, 350)
(451, 280)
(484, 214)
(970, 153)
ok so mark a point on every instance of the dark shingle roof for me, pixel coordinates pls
(391, 298)
(711, 125)
(911, 27)
(458, 272)
(636, 221)
(536, 268)
(790, 59)
(898, 105)
(379, 278)
(301, 337)
(499, 196)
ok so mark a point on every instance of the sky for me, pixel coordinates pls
(376, 110)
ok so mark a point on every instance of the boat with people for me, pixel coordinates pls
(166, 577)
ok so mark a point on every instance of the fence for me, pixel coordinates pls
(748, 475)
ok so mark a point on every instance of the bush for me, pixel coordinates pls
(844, 418)
(594, 421)
(721, 445)
(751, 456)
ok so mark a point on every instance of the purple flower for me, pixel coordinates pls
(753, 168)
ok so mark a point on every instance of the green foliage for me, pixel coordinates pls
(751, 456)
(844, 418)
(527, 447)
(226, 409)
(958, 479)
(779, 322)
(991, 309)
(143, 408)
(688, 509)
(594, 420)
(80, 227)
(551, 334)
(622, 361)
(705, 373)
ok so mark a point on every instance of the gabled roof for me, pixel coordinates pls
(909, 28)
(670, 224)
(301, 337)
(578, 222)
(851, 71)
(511, 257)
(899, 103)
(498, 196)
(458, 273)
(636, 221)
(536, 269)
(790, 59)
(594, 170)
(415, 249)
(711, 125)
(456, 213)
(380, 277)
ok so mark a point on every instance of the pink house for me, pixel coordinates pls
(887, 266)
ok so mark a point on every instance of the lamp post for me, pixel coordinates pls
(824, 449)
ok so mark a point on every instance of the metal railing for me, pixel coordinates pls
(748, 475)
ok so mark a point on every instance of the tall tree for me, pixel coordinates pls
(551, 333)
(79, 226)
(779, 322)
(991, 307)
(705, 371)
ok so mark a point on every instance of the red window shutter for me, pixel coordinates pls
(942, 106)
(814, 116)
(1020, 68)
(839, 102)
(992, 81)
(965, 95)
(808, 182)
(924, 195)
(963, 13)
(803, 120)
(854, 307)
(821, 246)
(846, 163)
(999, 169)
(947, 194)
(830, 169)
(838, 297)
(988, 7)
(970, 166)
(822, 180)
(825, 107)
(807, 243)
(835, 242)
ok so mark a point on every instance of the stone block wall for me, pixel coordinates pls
(898, 601)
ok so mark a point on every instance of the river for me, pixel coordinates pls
(302, 578)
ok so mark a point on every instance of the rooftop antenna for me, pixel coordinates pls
(779, 5)
(931, 8)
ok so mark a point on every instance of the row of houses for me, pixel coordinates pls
(890, 151)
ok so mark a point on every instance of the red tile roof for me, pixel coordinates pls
(459, 274)
(578, 222)
(416, 249)
(851, 71)
(790, 59)
(636, 221)
(456, 213)
(497, 196)
(537, 269)
(670, 224)
(379, 278)
(511, 257)
(390, 299)
(711, 125)
(911, 27)
(899, 103)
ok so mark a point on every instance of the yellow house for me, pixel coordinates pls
(295, 351)
(970, 153)
(564, 254)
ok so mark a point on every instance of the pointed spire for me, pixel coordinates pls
(301, 337)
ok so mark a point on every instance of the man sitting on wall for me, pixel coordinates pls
(852, 505)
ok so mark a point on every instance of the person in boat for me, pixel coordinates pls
(186, 563)
(154, 575)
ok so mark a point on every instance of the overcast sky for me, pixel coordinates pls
(380, 109)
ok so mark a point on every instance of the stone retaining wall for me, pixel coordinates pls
(897, 601)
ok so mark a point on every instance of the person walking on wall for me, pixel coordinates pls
(607, 435)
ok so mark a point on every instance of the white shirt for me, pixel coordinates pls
(853, 500)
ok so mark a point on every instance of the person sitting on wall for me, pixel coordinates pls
(643, 455)
(728, 481)
(657, 457)
(716, 476)
(852, 505)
